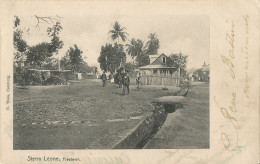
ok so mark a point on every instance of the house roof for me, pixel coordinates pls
(158, 57)
(152, 65)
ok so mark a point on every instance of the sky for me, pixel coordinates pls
(186, 34)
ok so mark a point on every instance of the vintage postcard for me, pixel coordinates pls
(130, 81)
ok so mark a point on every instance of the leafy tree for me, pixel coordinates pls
(118, 32)
(135, 48)
(50, 63)
(130, 67)
(20, 45)
(65, 62)
(20, 48)
(153, 44)
(85, 68)
(16, 21)
(38, 54)
(143, 59)
(94, 69)
(119, 57)
(111, 57)
(56, 43)
(75, 58)
(104, 53)
(177, 61)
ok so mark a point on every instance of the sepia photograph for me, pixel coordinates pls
(129, 82)
(110, 82)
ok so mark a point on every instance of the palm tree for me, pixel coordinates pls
(139, 46)
(118, 32)
(153, 44)
(131, 49)
(135, 48)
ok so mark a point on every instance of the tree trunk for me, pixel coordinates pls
(133, 62)
(59, 64)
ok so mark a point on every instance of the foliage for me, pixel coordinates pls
(118, 32)
(129, 67)
(143, 59)
(50, 63)
(119, 56)
(153, 44)
(75, 58)
(65, 62)
(73, 61)
(38, 54)
(111, 57)
(16, 21)
(177, 60)
(135, 48)
(85, 68)
(56, 43)
(21, 75)
(104, 53)
(20, 45)
(94, 69)
(56, 80)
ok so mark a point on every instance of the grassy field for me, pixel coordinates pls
(79, 116)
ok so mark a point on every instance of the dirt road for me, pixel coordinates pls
(79, 116)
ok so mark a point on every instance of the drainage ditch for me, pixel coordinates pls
(146, 129)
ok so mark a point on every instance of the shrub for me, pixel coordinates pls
(56, 80)
(70, 76)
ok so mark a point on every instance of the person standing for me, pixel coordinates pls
(104, 78)
(126, 83)
(120, 79)
(138, 79)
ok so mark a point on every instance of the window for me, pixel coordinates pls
(154, 71)
(164, 60)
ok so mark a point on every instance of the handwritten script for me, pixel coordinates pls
(227, 112)
(245, 51)
(228, 59)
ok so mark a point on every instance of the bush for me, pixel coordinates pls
(70, 76)
(35, 78)
(56, 80)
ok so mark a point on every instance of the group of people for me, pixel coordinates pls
(123, 80)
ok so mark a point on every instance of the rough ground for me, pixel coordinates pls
(79, 116)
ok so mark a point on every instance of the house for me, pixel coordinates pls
(157, 66)
(159, 73)
(202, 74)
